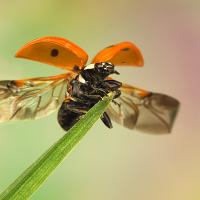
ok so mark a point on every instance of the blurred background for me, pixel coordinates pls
(118, 163)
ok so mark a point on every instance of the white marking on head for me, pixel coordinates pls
(81, 79)
(90, 66)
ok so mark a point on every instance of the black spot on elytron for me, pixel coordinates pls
(76, 68)
(110, 46)
(123, 62)
(126, 49)
(54, 52)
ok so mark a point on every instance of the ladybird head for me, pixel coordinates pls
(105, 69)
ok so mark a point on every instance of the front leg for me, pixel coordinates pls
(112, 84)
(99, 91)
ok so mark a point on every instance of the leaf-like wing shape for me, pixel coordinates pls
(32, 98)
(145, 111)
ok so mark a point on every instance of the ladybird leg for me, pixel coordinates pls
(96, 90)
(95, 97)
(116, 103)
(106, 120)
(112, 84)
(117, 94)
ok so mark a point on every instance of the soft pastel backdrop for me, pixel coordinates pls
(110, 164)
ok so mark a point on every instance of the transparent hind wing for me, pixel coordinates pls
(145, 111)
(125, 112)
(31, 98)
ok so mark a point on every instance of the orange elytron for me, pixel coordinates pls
(76, 91)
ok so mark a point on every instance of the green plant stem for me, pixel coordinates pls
(30, 180)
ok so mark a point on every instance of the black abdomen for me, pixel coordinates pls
(67, 118)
